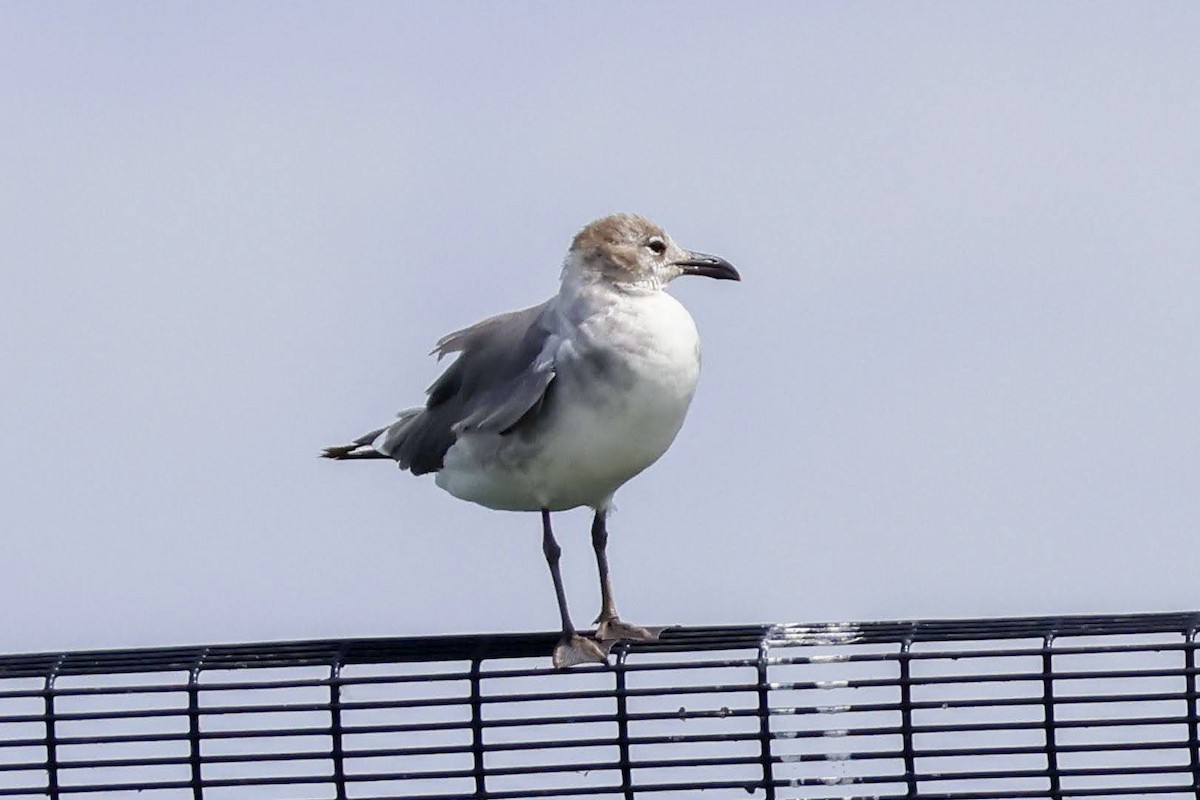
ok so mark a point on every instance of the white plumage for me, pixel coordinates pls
(605, 426)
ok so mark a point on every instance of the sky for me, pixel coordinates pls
(959, 378)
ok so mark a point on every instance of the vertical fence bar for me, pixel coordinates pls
(51, 732)
(906, 722)
(338, 752)
(194, 757)
(1189, 662)
(764, 720)
(477, 730)
(623, 723)
(1048, 717)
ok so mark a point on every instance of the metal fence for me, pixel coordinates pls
(1100, 706)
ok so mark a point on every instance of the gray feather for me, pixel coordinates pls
(504, 368)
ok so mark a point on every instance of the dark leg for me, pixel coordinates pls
(608, 608)
(553, 554)
(572, 648)
(610, 627)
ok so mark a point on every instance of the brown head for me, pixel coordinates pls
(628, 250)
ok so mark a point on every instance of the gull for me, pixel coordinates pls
(556, 406)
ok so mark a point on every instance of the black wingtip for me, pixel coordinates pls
(350, 452)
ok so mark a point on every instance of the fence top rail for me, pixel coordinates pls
(473, 647)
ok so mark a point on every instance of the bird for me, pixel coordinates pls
(557, 406)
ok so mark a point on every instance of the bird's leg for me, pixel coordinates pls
(610, 627)
(608, 607)
(553, 554)
(572, 648)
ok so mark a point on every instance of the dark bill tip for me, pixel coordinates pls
(709, 267)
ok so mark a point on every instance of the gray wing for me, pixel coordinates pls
(504, 368)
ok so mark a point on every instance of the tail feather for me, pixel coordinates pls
(405, 441)
(359, 448)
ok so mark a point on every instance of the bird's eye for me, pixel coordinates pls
(657, 245)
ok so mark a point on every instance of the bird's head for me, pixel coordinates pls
(629, 251)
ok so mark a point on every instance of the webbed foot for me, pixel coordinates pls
(575, 649)
(615, 629)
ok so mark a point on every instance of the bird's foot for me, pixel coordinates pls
(614, 629)
(575, 649)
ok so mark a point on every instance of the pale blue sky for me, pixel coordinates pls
(960, 377)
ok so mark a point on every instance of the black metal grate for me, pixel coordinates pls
(1003, 708)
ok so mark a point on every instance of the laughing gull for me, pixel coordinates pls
(557, 406)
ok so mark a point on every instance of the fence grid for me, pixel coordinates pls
(1046, 707)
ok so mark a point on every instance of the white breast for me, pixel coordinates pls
(621, 421)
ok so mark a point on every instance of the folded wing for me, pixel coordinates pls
(504, 369)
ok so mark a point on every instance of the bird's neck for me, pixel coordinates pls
(580, 279)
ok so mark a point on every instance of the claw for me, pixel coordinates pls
(615, 629)
(576, 649)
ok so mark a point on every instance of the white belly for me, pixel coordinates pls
(604, 426)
